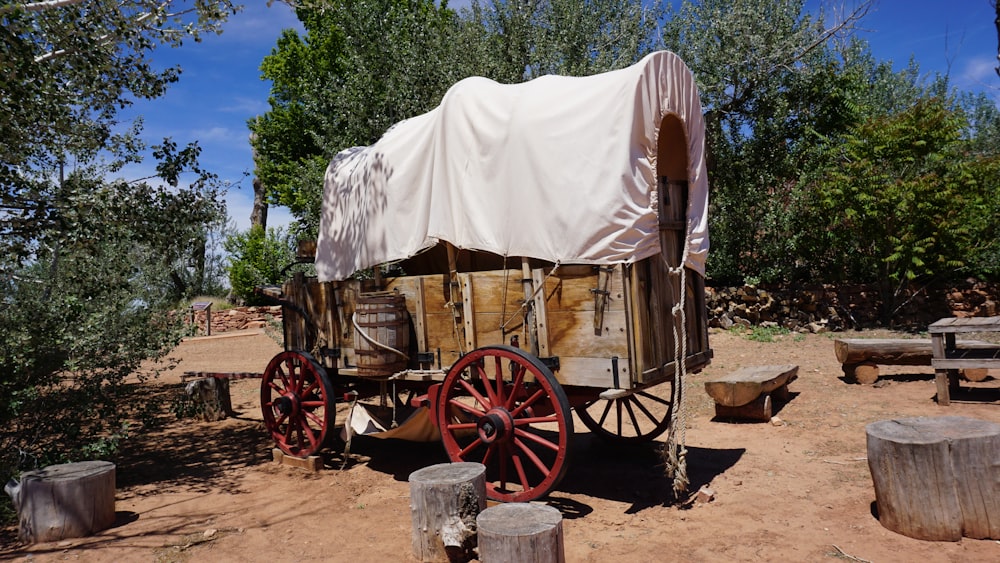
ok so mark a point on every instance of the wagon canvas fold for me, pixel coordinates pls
(545, 246)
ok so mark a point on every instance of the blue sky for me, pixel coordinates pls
(220, 87)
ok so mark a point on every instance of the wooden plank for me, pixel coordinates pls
(571, 334)
(592, 372)
(746, 384)
(633, 321)
(541, 313)
(419, 316)
(468, 312)
(967, 324)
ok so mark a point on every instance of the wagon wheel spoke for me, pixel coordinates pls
(537, 439)
(533, 457)
(519, 429)
(636, 418)
(645, 411)
(516, 384)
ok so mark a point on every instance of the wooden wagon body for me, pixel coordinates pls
(500, 346)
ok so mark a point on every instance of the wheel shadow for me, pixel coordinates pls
(597, 468)
(637, 474)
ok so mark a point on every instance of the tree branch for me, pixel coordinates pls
(40, 6)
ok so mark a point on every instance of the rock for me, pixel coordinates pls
(704, 495)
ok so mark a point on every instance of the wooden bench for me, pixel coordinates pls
(860, 357)
(747, 392)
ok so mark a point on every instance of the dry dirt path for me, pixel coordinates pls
(796, 492)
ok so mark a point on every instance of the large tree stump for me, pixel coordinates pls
(522, 532)
(210, 395)
(444, 502)
(71, 500)
(937, 478)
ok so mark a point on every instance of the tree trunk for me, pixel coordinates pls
(71, 500)
(527, 533)
(258, 216)
(936, 478)
(444, 502)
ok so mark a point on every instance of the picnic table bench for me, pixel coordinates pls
(949, 356)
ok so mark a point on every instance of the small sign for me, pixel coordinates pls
(201, 305)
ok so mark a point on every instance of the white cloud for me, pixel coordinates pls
(979, 70)
(246, 106)
(257, 18)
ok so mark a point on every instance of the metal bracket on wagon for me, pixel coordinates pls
(551, 362)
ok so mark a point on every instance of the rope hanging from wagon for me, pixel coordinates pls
(674, 451)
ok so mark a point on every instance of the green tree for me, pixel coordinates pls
(903, 198)
(258, 258)
(363, 66)
(766, 75)
(68, 67)
(92, 303)
(90, 264)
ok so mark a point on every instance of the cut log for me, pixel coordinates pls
(746, 384)
(445, 500)
(210, 396)
(888, 351)
(864, 373)
(975, 374)
(936, 478)
(759, 409)
(71, 500)
(522, 532)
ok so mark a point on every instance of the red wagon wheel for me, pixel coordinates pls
(503, 408)
(298, 403)
(635, 418)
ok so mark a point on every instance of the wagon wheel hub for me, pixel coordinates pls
(288, 404)
(496, 426)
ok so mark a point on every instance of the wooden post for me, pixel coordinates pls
(522, 532)
(937, 478)
(444, 502)
(71, 500)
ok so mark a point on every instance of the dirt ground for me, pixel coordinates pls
(799, 491)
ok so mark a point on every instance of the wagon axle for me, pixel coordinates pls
(497, 425)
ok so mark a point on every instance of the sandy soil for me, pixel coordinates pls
(800, 491)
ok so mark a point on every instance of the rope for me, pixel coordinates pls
(541, 286)
(674, 451)
(454, 327)
(360, 331)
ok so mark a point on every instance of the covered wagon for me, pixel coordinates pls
(518, 254)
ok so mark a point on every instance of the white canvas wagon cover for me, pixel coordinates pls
(559, 168)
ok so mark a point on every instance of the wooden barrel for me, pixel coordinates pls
(381, 333)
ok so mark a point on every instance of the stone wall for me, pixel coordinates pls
(237, 318)
(835, 308)
(816, 309)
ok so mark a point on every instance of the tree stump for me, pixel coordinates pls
(71, 500)
(444, 502)
(864, 373)
(521, 532)
(210, 396)
(937, 478)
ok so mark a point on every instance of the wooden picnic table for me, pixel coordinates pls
(948, 358)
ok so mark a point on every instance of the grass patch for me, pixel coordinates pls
(760, 333)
